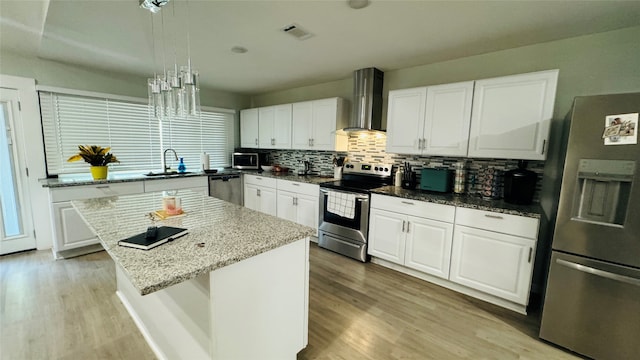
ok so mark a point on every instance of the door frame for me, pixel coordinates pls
(30, 129)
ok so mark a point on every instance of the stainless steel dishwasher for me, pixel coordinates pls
(227, 187)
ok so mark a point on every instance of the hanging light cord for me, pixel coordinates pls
(188, 39)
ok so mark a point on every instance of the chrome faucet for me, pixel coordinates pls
(164, 159)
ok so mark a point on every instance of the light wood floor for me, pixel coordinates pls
(68, 309)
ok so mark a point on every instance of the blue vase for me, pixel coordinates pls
(182, 167)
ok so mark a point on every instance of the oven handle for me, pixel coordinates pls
(358, 197)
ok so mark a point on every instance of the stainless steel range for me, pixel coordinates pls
(344, 208)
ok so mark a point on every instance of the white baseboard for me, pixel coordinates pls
(145, 333)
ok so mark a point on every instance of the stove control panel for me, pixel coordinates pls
(368, 169)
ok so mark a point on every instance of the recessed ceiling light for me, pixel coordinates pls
(239, 49)
(358, 4)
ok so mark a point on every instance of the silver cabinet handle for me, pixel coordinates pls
(273, 141)
(493, 216)
(408, 226)
(312, 142)
(407, 202)
(102, 187)
(256, 141)
(309, 141)
(598, 272)
(402, 225)
(544, 145)
(258, 178)
(295, 184)
(530, 252)
(258, 192)
(293, 201)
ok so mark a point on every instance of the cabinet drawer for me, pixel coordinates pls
(176, 184)
(413, 207)
(498, 222)
(260, 180)
(299, 188)
(96, 191)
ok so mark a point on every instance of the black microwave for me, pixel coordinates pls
(246, 161)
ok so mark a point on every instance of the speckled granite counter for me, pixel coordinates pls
(533, 210)
(229, 234)
(85, 179)
(291, 176)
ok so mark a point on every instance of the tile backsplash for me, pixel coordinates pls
(370, 148)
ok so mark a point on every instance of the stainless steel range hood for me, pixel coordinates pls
(366, 112)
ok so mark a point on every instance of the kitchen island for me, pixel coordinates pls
(235, 287)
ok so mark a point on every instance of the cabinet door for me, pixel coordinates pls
(511, 116)
(428, 246)
(286, 205)
(266, 123)
(324, 124)
(251, 197)
(282, 126)
(307, 211)
(447, 119)
(71, 230)
(301, 125)
(494, 263)
(405, 120)
(249, 128)
(386, 236)
(267, 199)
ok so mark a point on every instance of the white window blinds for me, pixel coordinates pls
(135, 138)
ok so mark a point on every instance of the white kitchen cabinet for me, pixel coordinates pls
(260, 194)
(430, 120)
(400, 232)
(315, 124)
(69, 229)
(298, 202)
(494, 252)
(194, 183)
(511, 116)
(274, 124)
(249, 128)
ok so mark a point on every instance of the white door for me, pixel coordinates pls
(324, 124)
(286, 205)
(251, 197)
(494, 263)
(428, 246)
(386, 235)
(405, 120)
(16, 225)
(249, 128)
(307, 211)
(302, 118)
(448, 116)
(511, 116)
(266, 123)
(282, 127)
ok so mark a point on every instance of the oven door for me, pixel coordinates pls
(354, 229)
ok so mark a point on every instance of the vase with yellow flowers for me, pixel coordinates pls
(98, 157)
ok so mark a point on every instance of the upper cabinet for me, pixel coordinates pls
(511, 116)
(430, 120)
(274, 124)
(315, 124)
(249, 128)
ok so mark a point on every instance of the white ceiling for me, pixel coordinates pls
(116, 35)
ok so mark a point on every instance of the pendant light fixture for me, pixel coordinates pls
(172, 93)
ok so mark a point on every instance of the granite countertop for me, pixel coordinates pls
(114, 177)
(465, 201)
(292, 176)
(220, 234)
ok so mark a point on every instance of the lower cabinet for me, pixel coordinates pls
(492, 262)
(298, 202)
(70, 230)
(260, 198)
(416, 242)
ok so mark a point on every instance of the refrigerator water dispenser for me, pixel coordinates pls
(603, 191)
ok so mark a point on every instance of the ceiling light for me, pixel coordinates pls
(358, 4)
(174, 92)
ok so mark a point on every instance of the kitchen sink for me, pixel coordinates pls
(167, 173)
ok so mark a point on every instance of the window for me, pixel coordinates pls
(136, 139)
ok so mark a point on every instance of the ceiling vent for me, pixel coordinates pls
(297, 32)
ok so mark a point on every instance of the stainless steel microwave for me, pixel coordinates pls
(246, 161)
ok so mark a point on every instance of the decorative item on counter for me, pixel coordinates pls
(278, 168)
(171, 204)
(459, 180)
(303, 167)
(98, 157)
(408, 177)
(182, 168)
(204, 161)
(398, 179)
(489, 179)
(520, 184)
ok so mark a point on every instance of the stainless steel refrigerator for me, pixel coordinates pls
(592, 301)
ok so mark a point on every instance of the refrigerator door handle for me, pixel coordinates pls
(598, 272)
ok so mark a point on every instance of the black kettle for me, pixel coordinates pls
(520, 184)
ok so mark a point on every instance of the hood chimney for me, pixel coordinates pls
(367, 100)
